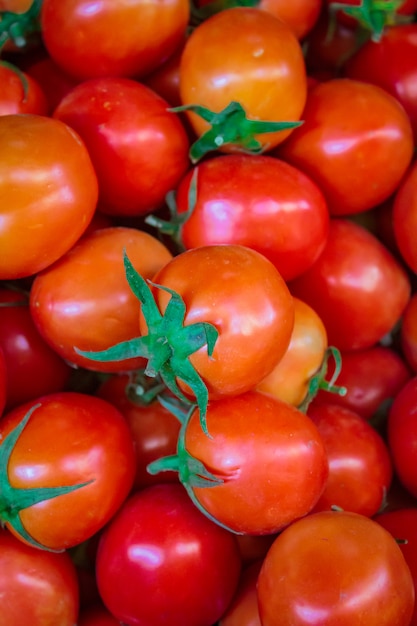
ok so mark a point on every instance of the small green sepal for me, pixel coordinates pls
(21, 28)
(373, 15)
(318, 381)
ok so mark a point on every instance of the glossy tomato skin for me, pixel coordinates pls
(186, 567)
(408, 333)
(269, 58)
(353, 132)
(139, 149)
(323, 569)
(402, 435)
(356, 286)
(111, 40)
(260, 202)
(84, 299)
(71, 438)
(56, 196)
(20, 94)
(261, 447)
(33, 367)
(404, 217)
(360, 467)
(37, 587)
(243, 295)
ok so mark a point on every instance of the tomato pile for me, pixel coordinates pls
(208, 313)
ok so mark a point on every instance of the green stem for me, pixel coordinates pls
(19, 27)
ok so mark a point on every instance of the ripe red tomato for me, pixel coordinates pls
(49, 191)
(36, 587)
(335, 568)
(139, 148)
(186, 568)
(270, 83)
(408, 333)
(404, 217)
(84, 300)
(256, 201)
(402, 435)
(356, 286)
(54, 82)
(20, 92)
(68, 440)
(353, 132)
(112, 38)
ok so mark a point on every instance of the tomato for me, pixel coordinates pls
(84, 300)
(372, 377)
(335, 568)
(165, 80)
(139, 149)
(70, 441)
(404, 217)
(408, 333)
(154, 428)
(353, 132)
(256, 201)
(20, 92)
(269, 59)
(186, 568)
(3, 381)
(37, 587)
(290, 378)
(243, 611)
(402, 435)
(49, 192)
(259, 448)
(328, 45)
(54, 82)
(33, 368)
(112, 38)
(360, 468)
(356, 286)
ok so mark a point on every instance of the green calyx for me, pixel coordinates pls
(20, 28)
(318, 381)
(12, 499)
(230, 127)
(168, 344)
(373, 15)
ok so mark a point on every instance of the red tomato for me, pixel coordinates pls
(165, 80)
(404, 217)
(353, 132)
(84, 300)
(290, 378)
(360, 468)
(356, 286)
(408, 333)
(256, 201)
(20, 92)
(260, 448)
(70, 439)
(33, 368)
(139, 149)
(37, 587)
(112, 38)
(49, 191)
(372, 377)
(335, 568)
(161, 562)
(53, 80)
(243, 611)
(269, 59)
(402, 435)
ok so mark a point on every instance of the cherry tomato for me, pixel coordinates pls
(54, 82)
(20, 92)
(353, 132)
(112, 38)
(72, 441)
(84, 300)
(37, 587)
(335, 568)
(356, 286)
(402, 435)
(186, 568)
(404, 217)
(408, 333)
(49, 191)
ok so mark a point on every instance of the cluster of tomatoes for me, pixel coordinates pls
(208, 313)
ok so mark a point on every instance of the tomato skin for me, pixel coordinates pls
(408, 333)
(360, 467)
(54, 82)
(3, 381)
(344, 118)
(402, 435)
(13, 99)
(356, 286)
(260, 202)
(228, 285)
(404, 217)
(269, 58)
(88, 44)
(289, 380)
(89, 441)
(261, 447)
(84, 299)
(139, 149)
(37, 587)
(161, 544)
(302, 583)
(56, 195)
